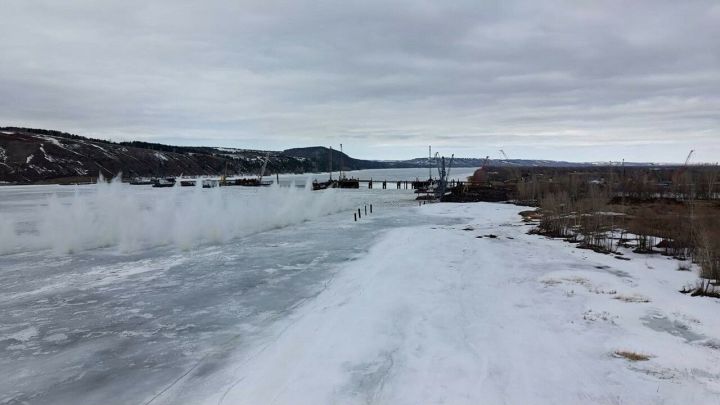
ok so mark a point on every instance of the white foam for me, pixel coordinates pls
(115, 214)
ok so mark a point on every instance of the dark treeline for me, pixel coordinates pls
(135, 144)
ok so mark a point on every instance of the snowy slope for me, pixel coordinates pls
(434, 314)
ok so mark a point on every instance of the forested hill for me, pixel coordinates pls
(37, 155)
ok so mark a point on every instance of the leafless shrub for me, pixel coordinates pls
(673, 211)
(707, 250)
(632, 298)
(632, 356)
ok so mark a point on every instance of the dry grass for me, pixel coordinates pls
(632, 298)
(632, 356)
(531, 216)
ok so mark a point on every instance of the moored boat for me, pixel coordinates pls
(164, 182)
(323, 185)
(210, 183)
(141, 181)
(348, 183)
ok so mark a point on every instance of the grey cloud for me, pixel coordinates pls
(382, 77)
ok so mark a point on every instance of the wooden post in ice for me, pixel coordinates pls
(371, 208)
(359, 216)
(355, 216)
(365, 210)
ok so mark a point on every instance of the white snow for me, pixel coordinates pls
(97, 146)
(434, 314)
(104, 151)
(39, 169)
(23, 335)
(160, 156)
(56, 337)
(28, 159)
(107, 275)
(47, 157)
(3, 154)
(53, 140)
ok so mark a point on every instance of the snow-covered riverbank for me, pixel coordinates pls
(434, 314)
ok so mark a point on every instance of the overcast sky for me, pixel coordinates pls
(571, 80)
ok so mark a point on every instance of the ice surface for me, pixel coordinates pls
(401, 307)
(109, 325)
(434, 315)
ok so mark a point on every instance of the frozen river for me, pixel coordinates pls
(110, 294)
(118, 294)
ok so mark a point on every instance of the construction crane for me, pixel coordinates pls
(677, 177)
(262, 171)
(689, 156)
(513, 170)
(437, 162)
(443, 173)
(684, 167)
(341, 176)
(429, 164)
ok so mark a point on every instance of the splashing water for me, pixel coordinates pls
(116, 215)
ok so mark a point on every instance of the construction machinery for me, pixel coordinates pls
(250, 182)
(437, 189)
(343, 181)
